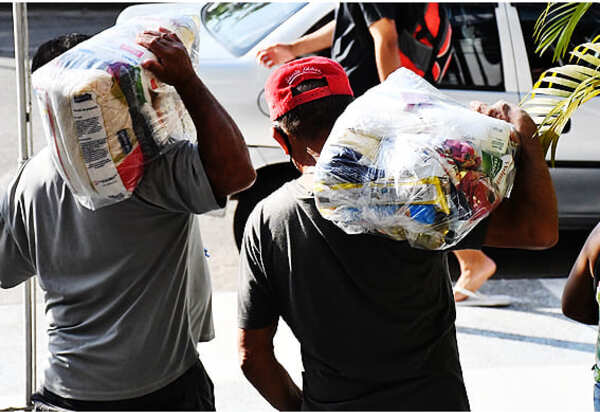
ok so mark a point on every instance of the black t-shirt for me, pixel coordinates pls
(374, 317)
(353, 44)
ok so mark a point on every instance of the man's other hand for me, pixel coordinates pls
(510, 113)
(172, 65)
(529, 218)
(276, 54)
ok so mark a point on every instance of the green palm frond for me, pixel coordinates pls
(561, 90)
(555, 27)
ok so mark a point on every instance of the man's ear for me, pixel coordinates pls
(279, 138)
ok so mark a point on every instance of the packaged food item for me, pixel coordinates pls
(409, 163)
(104, 116)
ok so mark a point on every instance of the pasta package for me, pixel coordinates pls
(104, 116)
(407, 162)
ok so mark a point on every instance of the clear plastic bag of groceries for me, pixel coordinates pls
(104, 116)
(408, 162)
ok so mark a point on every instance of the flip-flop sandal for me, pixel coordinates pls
(480, 299)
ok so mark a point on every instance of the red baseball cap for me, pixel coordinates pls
(278, 89)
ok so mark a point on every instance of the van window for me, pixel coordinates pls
(477, 61)
(587, 29)
(240, 26)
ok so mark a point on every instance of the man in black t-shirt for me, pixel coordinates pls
(374, 317)
(370, 41)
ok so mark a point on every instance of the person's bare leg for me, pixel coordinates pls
(475, 268)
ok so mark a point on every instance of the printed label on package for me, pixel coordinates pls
(498, 140)
(91, 133)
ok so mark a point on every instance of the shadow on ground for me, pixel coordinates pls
(555, 262)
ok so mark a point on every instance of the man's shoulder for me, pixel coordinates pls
(277, 208)
(32, 177)
(39, 169)
(280, 214)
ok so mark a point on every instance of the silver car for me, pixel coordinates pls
(493, 60)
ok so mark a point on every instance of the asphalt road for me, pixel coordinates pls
(49, 20)
(522, 264)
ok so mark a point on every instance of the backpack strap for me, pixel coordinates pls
(426, 42)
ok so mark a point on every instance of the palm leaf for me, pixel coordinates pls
(555, 26)
(561, 90)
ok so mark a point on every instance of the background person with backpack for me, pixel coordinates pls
(371, 40)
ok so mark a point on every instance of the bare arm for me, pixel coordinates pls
(261, 368)
(221, 146)
(578, 299)
(529, 218)
(385, 41)
(281, 52)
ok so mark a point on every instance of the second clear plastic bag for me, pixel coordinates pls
(104, 116)
(407, 162)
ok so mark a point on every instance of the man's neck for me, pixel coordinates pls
(310, 156)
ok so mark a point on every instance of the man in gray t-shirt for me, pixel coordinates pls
(116, 281)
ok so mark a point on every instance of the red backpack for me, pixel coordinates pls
(426, 49)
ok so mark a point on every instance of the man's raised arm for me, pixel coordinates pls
(220, 144)
(284, 52)
(529, 218)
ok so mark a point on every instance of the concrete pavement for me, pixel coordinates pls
(524, 357)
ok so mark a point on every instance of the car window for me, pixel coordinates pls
(240, 26)
(477, 61)
(587, 29)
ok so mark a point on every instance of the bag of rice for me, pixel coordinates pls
(407, 162)
(105, 116)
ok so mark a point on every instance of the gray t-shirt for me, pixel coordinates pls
(374, 317)
(116, 281)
